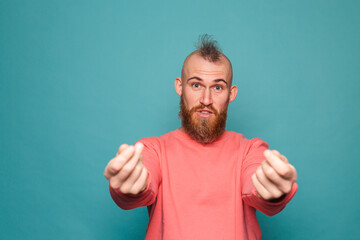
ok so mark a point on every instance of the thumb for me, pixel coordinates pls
(139, 147)
(122, 148)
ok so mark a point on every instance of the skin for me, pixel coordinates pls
(126, 172)
(274, 177)
(209, 84)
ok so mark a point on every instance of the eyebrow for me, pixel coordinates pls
(216, 80)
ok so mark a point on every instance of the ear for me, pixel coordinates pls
(178, 86)
(233, 93)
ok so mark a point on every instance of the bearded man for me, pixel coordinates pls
(202, 181)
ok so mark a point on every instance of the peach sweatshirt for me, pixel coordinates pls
(197, 191)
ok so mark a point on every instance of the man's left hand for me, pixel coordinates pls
(274, 177)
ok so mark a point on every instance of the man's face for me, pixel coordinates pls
(205, 90)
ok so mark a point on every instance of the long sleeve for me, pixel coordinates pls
(252, 160)
(147, 197)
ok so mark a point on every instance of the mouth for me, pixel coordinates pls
(204, 113)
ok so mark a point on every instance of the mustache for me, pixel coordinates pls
(201, 106)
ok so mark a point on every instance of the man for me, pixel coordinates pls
(201, 181)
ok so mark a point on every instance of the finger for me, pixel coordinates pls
(276, 152)
(282, 184)
(109, 171)
(295, 173)
(261, 190)
(130, 181)
(281, 167)
(141, 182)
(282, 157)
(268, 185)
(127, 169)
(270, 173)
(122, 148)
(117, 163)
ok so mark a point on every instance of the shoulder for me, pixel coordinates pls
(150, 142)
(241, 138)
(256, 145)
(247, 144)
(156, 142)
(237, 135)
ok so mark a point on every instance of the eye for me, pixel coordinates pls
(196, 85)
(218, 88)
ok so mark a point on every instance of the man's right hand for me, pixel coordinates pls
(126, 172)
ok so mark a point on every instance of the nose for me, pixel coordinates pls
(206, 98)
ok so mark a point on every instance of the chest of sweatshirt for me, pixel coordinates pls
(201, 174)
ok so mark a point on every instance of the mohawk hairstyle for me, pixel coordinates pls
(208, 48)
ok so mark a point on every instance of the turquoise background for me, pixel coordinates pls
(78, 78)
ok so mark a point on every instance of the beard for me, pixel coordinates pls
(203, 130)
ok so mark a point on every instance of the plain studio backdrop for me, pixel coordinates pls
(79, 78)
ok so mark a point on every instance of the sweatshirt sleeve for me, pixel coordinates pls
(151, 160)
(253, 157)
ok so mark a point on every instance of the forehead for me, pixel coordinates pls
(196, 65)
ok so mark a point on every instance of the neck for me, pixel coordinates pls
(182, 129)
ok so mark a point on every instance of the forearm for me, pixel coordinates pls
(269, 208)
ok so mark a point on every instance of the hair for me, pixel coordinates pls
(209, 50)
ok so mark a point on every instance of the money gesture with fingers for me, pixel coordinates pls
(126, 172)
(274, 177)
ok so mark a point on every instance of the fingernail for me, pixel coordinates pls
(267, 153)
(139, 145)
